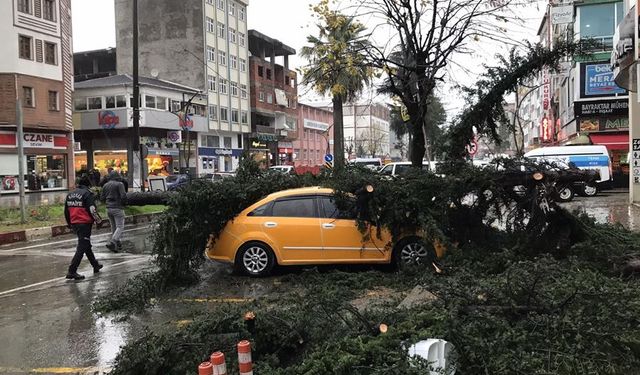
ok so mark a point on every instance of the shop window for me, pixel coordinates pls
(80, 104)
(95, 102)
(27, 97)
(49, 10)
(268, 73)
(50, 53)
(234, 116)
(240, 141)
(53, 101)
(243, 91)
(221, 29)
(232, 35)
(24, 46)
(149, 101)
(213, 112)
(224, 114)
(234, 88)
(244, 117)
(260, 71)
(227, 142)
(270, 98)
(24, 6)
(46, 172)
(213, 141)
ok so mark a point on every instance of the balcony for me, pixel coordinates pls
(265, 129)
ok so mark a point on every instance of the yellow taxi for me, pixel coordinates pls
(304, 227)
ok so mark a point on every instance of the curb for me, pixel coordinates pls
(47, 233)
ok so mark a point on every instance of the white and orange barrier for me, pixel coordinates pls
(218, 366)
(244, 358)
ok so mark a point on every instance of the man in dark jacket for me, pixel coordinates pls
(113, 193)
(80, 213)
(109, 177)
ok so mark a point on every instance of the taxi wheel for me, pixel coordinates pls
(413, 251)
(255, 259)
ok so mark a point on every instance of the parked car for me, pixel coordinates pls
(371, 163)
(286, 169)
(303, 227)
(217, 176)
(399, 168)
(177, 181)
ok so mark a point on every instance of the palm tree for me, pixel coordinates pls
(337, 66)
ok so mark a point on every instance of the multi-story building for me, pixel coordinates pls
(315, 136)
(366, 130)
(103, 112)
(36, 68)
(274, 95)
(200, 44)
(94, 64)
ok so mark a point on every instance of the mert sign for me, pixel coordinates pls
(598, 80)
(561, 14)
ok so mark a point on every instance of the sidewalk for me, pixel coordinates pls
(33, 199)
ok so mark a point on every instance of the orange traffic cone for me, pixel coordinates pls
(244, 358)
(205, 368)
(219, 365)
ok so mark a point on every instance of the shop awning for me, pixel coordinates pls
(612, 141)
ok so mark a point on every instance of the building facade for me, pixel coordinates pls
(103, 123)
(274, 95)
(200, 44)
(94, 64)
(315, 136)
(366, 130)
(36, 68)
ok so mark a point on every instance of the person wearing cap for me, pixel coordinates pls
(113, 193)
(80, 213)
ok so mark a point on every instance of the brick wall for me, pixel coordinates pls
(40, 116)
(7, 99)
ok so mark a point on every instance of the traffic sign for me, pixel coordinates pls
(328, 165)
(472, 148)
(328, 158)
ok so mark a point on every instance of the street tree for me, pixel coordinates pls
(426, 36)
(337, 65)
(435, 118)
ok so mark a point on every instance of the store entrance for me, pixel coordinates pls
(46, 172)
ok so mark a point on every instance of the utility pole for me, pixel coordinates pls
(136, 96)
(20, 160)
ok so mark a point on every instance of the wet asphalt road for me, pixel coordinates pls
(46, 322)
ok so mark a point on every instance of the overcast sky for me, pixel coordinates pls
(290, 21)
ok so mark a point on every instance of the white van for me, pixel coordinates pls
(371, 163)
(583, 157)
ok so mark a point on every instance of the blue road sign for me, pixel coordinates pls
(328, 158)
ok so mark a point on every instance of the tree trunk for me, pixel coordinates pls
(338, 134)
(417, 147)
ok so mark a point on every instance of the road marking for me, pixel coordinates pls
(56, 370)
(69, 240)
(10, 291)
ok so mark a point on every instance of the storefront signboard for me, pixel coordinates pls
(108, 119)
(635, 162)
(316, 125)
(175, 136)
(561, 14)
(258, 144)
(598, 80)
(210, 151)
(34, 140)
(613, 108)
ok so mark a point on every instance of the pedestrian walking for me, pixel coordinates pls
(80, 213)
(113, 193)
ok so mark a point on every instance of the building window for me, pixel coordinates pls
(234, 88)
(222, 57)
(232, 35)
(49, 10)
(209, 1)
(244, 117)
(50, 53)
(241, 12)
(599, 21)
(227, 142)
(232, 8)
(243, 91)
(212, 141)
(270, 98)
(239, 139)
(224, 114)
(24, 6)
(234, 116)
(211, 80)
(268, 73)
(261, 96)
(211, 54)
(213, 112)
(243, 65)
(241, 39)
(24, 45)
(161, 103)
(27, 97)
(149, 101)
(221, 4)
(210, 25)
(233, 61)
(223, 86)
(80, 104)
(117, 101)
(260, 71)
(53, 101)
(94, 103)
(221, 28)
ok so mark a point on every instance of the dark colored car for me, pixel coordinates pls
(177, 181)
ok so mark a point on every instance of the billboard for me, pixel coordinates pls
(598, 80)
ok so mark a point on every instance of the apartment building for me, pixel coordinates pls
(199, 44)
(366, 130)
(315, 136)
(36, 68)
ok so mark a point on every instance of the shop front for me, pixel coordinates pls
(45, 165)
(285, 153)
(261, 151)
(217, 159)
